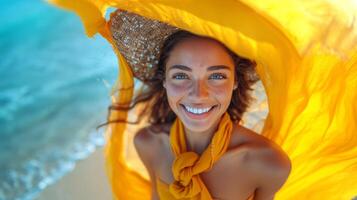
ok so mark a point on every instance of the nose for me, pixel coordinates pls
(199, 89)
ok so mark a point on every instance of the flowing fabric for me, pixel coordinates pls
(307, 60)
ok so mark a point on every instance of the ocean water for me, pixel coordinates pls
(54, 90)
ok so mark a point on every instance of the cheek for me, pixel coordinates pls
(175, 93)
(223, 94)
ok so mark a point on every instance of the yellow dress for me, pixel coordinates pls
(307, 60)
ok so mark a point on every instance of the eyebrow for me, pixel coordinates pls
(211, 68)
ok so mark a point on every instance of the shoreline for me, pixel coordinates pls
(87, 181)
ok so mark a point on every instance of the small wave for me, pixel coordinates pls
(27, 181)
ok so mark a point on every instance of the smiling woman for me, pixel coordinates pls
(200, 76)
(194, 146)
(199, 91)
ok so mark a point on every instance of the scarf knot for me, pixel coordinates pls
(187, 166)
(185, 172)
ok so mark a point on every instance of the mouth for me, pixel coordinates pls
(197, 113)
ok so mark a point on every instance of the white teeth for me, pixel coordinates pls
(197, 110)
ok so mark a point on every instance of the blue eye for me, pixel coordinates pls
(218, 76)
(179, 76)
(213, 76)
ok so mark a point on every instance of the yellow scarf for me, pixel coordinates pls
(188, 165)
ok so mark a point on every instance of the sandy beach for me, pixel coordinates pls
(87, 181)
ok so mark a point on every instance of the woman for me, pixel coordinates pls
(185, 63)
(306, 59)
(200, 75)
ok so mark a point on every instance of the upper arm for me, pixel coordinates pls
(271, 169)
(144, 143)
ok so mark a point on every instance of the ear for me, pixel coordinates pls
(164, 83)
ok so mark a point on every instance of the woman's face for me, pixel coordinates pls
(199, 82)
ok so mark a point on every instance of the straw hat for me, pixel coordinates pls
(140, 39)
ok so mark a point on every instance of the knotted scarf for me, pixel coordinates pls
(188, 165)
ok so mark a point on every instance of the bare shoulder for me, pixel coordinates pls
(144, 138)
(270, 168)
(257, 153)
(269, 165)
(257, 147)
(268, 161)
(144, 141)
(147, 141)
(267, 154)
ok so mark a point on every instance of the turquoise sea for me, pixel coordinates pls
(54, 90)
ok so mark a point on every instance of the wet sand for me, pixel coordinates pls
(87, 181)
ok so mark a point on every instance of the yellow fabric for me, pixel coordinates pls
(307, 61)
(163, 191)
(187, 165)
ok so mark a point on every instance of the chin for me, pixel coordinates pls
(197, 127)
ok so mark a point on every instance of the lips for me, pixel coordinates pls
(196, 115)
(193, 106)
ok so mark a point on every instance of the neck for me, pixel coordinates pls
(199, 141)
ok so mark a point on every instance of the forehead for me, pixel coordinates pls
(199, 52)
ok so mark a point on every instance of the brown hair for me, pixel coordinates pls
(154, 95)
